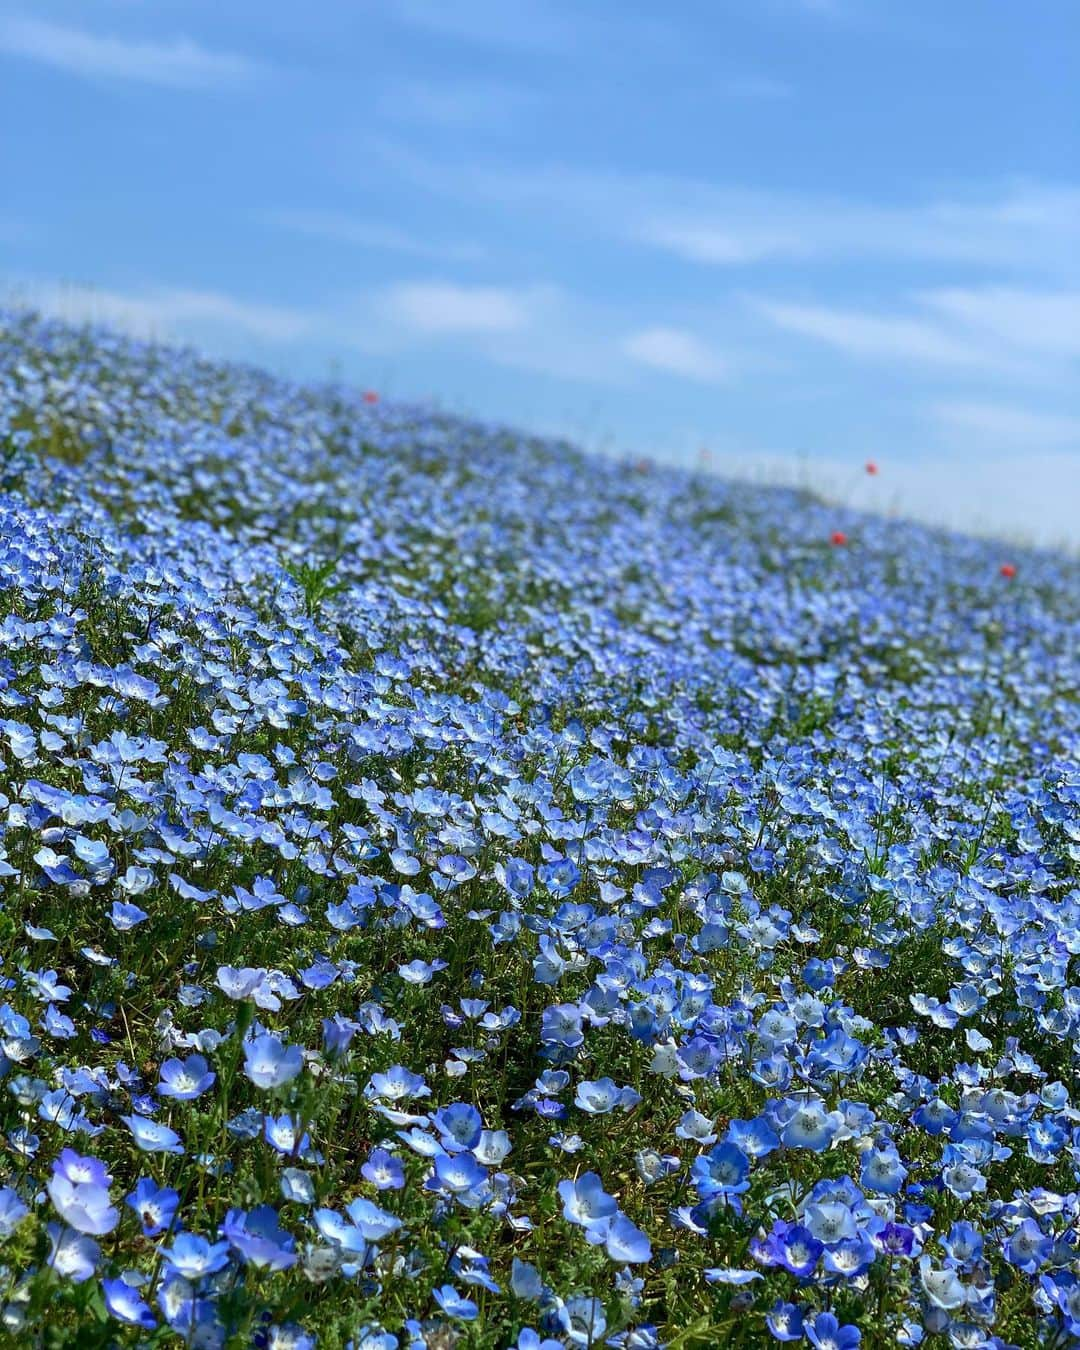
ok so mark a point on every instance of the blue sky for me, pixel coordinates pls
(798, 233)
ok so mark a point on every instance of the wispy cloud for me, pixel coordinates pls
(874, 337)
(1040, 321)
(1004, 426)
(723, 244)
(455, 105)
(676, 352)
(535, 26)
(1023, 332)
(829, 8)
(445, 307)
(342, 228)
(489, 22)
(1031, 226)
(179, 63)
(163, 312)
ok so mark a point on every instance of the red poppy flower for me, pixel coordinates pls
(1008, 570)
(370, 396)
(838, 538)
(871, 467)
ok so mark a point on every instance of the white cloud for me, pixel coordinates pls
(831, 8)
(676, 352)
(732, 245)
(536, 26)
(163, 312)
(458, 104)
(1042, 321)
(1032, 225)
(1029, 225)
(490, 22)
(1030, 334)
(179, 63)
(340, 227)
(1004, 426)
(444, 307)
(874, 337)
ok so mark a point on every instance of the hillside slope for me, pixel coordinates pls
(461, 891)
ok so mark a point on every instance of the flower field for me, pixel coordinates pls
(458, 892)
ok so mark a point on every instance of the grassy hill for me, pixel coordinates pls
(456, 891)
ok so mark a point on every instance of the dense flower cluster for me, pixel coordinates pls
(455, 891)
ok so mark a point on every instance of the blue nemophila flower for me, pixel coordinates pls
(941, 1286)
(581, 1320)
(284, 1135)
(185, 1080)
(154, 1205)
(517, 876)
(492, 1148)
(785, 1321)
(724, 1170)
(338, 1033)
(124, 916)
(457, 1174)
(624, 1242)
(239, 984)
(460, 1126)
(730, 1275)
(83, 1202)
(795, 1247)
(126, 1304)
(454, 1304)
(375, 1223)
(824, 1331)
(297, 1186)
(397, 1084)
(585, 1202)
(12, 1211)
(193, 1257)
(80, 1170)
(964, 1244)
(962, 1179)
(289, 1337)
(529, 1339)
(809, 1124)
(850, 1257)
(426, 1145)
(269, 1063)
(882, 1171)
(383, 1170)
(694, 1126)
(187, 1313)
(831, 1220)
(652, 1167)
(1028, 1247)
(526, 1281)
(151, 1136)
(756, 1138)
(372, 1338)
(561, 1026)
(420, 972)
(259, 1239)
(72, 1255)
(603, 1095)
